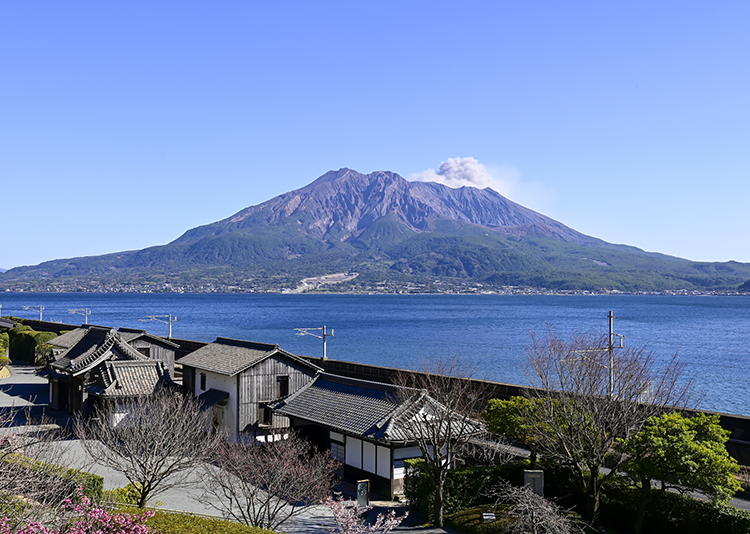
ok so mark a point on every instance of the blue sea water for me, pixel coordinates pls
(710, 334)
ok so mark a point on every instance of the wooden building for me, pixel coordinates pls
(76, 365)
(236, 379)
(368, 426)
(122, 382)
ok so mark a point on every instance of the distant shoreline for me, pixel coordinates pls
(518, 292)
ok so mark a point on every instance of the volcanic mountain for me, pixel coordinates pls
(396, 234)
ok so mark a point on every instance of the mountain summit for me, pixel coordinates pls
(397, 235)
(343, 204)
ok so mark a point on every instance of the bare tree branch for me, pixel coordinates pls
(442, 409)
(163, 438)
(266, 484)
(577, 421)
(32, 486)
(530, 513)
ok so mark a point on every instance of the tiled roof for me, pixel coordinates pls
(129, 334)
(368, 409)
(69, 339)
(212, 397)
(130, 378)
(95, 346)
(7, 323)
(231, 356)
(349, 405)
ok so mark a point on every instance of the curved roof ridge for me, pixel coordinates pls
(87, 359)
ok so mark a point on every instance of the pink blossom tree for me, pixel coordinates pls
(85, 518)
(349, 517)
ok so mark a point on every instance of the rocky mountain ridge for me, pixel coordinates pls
(396, 235)
(343, 204)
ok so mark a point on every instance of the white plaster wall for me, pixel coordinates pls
(222, 383)
(368, 457)
(354, 452)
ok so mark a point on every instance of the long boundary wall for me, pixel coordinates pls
(738, 425)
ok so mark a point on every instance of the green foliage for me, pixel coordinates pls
(509, 418)
(4, 342)
(671, 513)
(464, 488)
(28, 345)
(127, 495)
(91, 485)
(684, 452)
(4, 362)
(470, 521)
(179, 523)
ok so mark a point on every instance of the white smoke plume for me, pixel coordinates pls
(506, 180)
(458, 172)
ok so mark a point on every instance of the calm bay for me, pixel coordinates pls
(711, 334)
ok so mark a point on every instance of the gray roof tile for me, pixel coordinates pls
(367, 409)
(350, 405)
(96, 345)
(69, 339)
(130, 378)
(231, 356)
(129, 334)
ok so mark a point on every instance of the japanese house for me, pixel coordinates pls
(368, 426)
(236, 379)
(77, 365)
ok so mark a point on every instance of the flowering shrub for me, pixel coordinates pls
(348, 516)
(87, 519)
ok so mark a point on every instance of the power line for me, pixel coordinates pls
(85, 312)
(169, 320)
(39, 307)
(323, 336)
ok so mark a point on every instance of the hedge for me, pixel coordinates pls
(27, 344)
(671, 513)
(91, 485)
(464, 488)
(4, 342)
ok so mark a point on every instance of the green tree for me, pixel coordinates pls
(584, 403)
(509, 418)
(684, 453)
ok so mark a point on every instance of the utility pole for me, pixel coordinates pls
(166, 319)
(610, 351)
(323, 336)
(85, 312)
(40, 308)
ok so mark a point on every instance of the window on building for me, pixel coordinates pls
(264, 415)
(338, 451)
(146, 351)
(282, 386)
(203, 381)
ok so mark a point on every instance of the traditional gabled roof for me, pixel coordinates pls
(69, 339)
(349, 405)
(96, 345)
(7, 323)
(130, 334)
(366, 409)
(232, 356)
(130, 378)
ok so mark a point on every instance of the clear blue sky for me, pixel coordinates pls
(123, 124)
